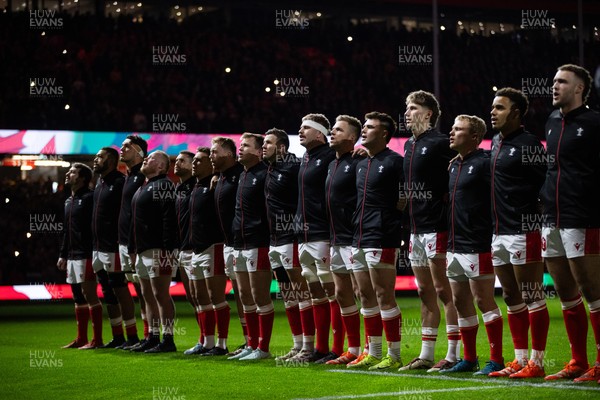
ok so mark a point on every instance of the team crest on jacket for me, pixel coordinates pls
(380, 168)
(470, 169)
(279, 178)
(579, 131)
(254, 182)
(512, 152)
(424, 151)
(346, 168)
(318, 162)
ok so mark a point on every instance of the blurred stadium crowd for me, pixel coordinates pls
(111, 83)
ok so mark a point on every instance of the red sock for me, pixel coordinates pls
(595, 318)
(223, 316)
(539, 320)
(352, 326)
(494, 334)
(146, 328)
(307, 320)
(519, 327)
(337, 327)
(253, 328)
(117, 330)
(209, 322)
(576, 323)
(96, 316)
(200, 318)
(469, 339)
(322, 322)
(392, 326)
(293, 316)
(131, 329)
(373, 327)
(82, 315)
(244, 327)
(265, 322)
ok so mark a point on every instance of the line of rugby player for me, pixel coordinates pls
(327, 226)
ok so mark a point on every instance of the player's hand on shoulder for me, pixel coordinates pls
(360, 153)
(213, 182)
(452, 160)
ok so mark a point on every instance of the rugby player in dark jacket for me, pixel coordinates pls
(207, 270)
(281, 195)
(571, 235)
(313, 233)
(154, 241)
(340, 188)
(469, 245)
(183, 170)
(76, 256)
(105, 258)
(426, 156)
(223, 157)
(251, 242)
(376, 240)
(133, 151)
(518, 170)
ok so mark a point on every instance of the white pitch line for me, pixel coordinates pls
(499, 382)
(404, 392)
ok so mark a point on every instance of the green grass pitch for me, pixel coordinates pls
(35, 367)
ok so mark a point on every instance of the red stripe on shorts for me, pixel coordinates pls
(441, 242)
(89, 274)
(533, 247)
(388, 256)
(592, 241)
(295, 256)
(218, 260)
(263, 261)
(485, 264)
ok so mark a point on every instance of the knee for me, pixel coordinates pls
(310, 275)
(281, 275)
(78, 296)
